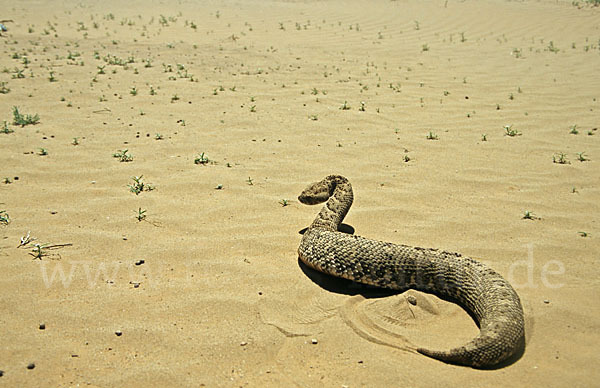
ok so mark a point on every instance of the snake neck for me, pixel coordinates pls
(338, 204)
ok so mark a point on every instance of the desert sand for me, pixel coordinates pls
(469, 126)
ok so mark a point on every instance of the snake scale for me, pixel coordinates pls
(478, 288)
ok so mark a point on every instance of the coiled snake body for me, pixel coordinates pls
(489, 297)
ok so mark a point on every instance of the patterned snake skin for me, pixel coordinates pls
(491, 299)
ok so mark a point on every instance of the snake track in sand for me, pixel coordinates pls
(481, 290)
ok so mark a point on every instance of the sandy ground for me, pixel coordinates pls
(206, 289)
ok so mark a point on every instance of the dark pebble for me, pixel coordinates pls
(42, 326)
(1, 373)
(118, 333)
(30, 365)
(140, 262)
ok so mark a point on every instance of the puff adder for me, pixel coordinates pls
(481, 290)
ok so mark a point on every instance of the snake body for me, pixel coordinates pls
(478, 288)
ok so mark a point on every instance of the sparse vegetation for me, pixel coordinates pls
(123, 156)
(432, 136)
(24, 119)
(4, 217)
(138, 186)
(509, 131)
(5, 129)
(202, 159)
(140, 214)
(560, 158)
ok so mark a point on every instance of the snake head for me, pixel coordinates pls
(314, 194)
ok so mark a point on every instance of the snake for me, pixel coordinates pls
(483, 292)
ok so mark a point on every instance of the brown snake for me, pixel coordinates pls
(481, 290)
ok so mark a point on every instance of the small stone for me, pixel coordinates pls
(1, 373)
(412, 300)
(314, 341)
(31, 365)
(140, 262)
(547, 301)
(118, 333)
(42, 326)
(93, 182)
(243, 343)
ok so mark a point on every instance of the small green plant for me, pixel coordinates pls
(528, 215)
(7, 181)
(432, 136)
(18, 73)
(152, 91)
(552, 48)
(141, 214)
(4, 217)
(42, 152)
(574, 130)
(362, 106)
(138, 186)
(425, 47)
(253, 108)
(158, 136)
(174, 98)
(3, 88)
(250, 181)
(581, 157)
(5, 129)
(133, 91)
(313, 117)
(560, 158)
(584, 234)
(38, 251)
(201, 159)
(75, 141)
(345, 106)
(484, 137)
(101, 69)
(51, 77)
(509, 131)
(23, 120)
(284, 202)
(123, 156)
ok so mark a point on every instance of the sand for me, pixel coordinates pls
(196, 282)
